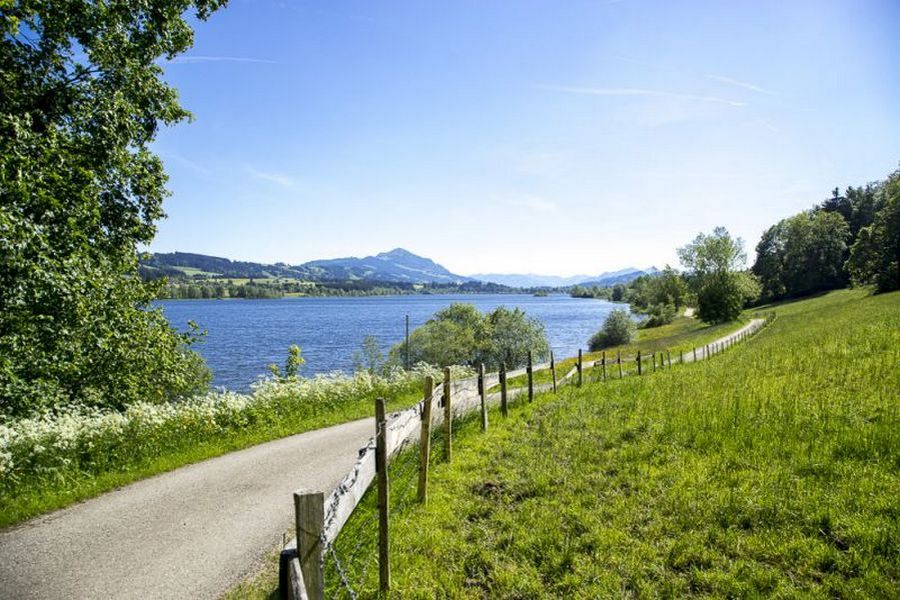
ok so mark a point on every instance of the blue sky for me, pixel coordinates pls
(555, 137)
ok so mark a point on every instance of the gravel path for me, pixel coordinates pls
(191, 533)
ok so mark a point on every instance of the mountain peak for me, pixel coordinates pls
(397, 253)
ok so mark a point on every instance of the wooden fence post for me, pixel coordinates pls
(425, 440)
(529, 369)
(309, 519)
(448, 417)
(639, 362)
(669, 358)
(579, 368)
(681, 357)
(553, 370)
(654, 362)
(619, 360)
(706, 354)
(504, 406)
(381, 471)
(603, 362)
(483, 393)
(695, 353)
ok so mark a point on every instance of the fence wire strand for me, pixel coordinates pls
(350, 556)
(348, 559)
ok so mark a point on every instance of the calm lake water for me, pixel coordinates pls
(247, 335)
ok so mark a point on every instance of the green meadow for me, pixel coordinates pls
(681, 335)
(771, 470)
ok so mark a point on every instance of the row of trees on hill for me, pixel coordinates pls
(852, 237)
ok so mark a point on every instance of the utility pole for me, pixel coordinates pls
(407, 342)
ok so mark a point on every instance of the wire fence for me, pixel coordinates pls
(351, 562)
(349, 540)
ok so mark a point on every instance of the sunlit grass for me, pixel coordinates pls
(772, 470)
(681, 335)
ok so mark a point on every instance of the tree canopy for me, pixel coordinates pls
(617, 329)
(715, 265)
(81, 99)
(461, 335)
(875, 256)
(802, 254)
(717, 252)
(842, 239)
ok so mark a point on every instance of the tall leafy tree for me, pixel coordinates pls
(461, 335)
(803, 254)
(513, 334)
(81, 99)
(714, 264)
(857, 205)
(875, 257)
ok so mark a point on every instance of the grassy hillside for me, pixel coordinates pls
(682, 334)
(773, 469)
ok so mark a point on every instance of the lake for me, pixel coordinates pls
(245, 336)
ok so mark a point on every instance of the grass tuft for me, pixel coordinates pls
(771, 470)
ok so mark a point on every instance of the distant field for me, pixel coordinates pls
(772, 470)
(684, 333)
(192, 271)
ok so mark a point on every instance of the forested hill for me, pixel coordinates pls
(396, 266)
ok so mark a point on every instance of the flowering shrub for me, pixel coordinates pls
(79, 443)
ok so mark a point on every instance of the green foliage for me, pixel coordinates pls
(717, 252)
(723, 295)
(667, 287)
(802, 254)
(769, 471)
(660, 314)
(512, 335)
(291, 365)
(713, 263)
(618, 329)
(811, 251)
(857, 206)
(597, 292)
(369, 357)
(81, 99)
(460, 335)
(875, 257)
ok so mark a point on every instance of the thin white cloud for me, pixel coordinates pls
(637, 92)
(208, 59)
(770, 126)
(742, 84)
(277, 178)
(532, 203)
(186, 162)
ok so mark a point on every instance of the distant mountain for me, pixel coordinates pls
(396, 266)
(622, 276)
(530, 280)
(188, 264)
